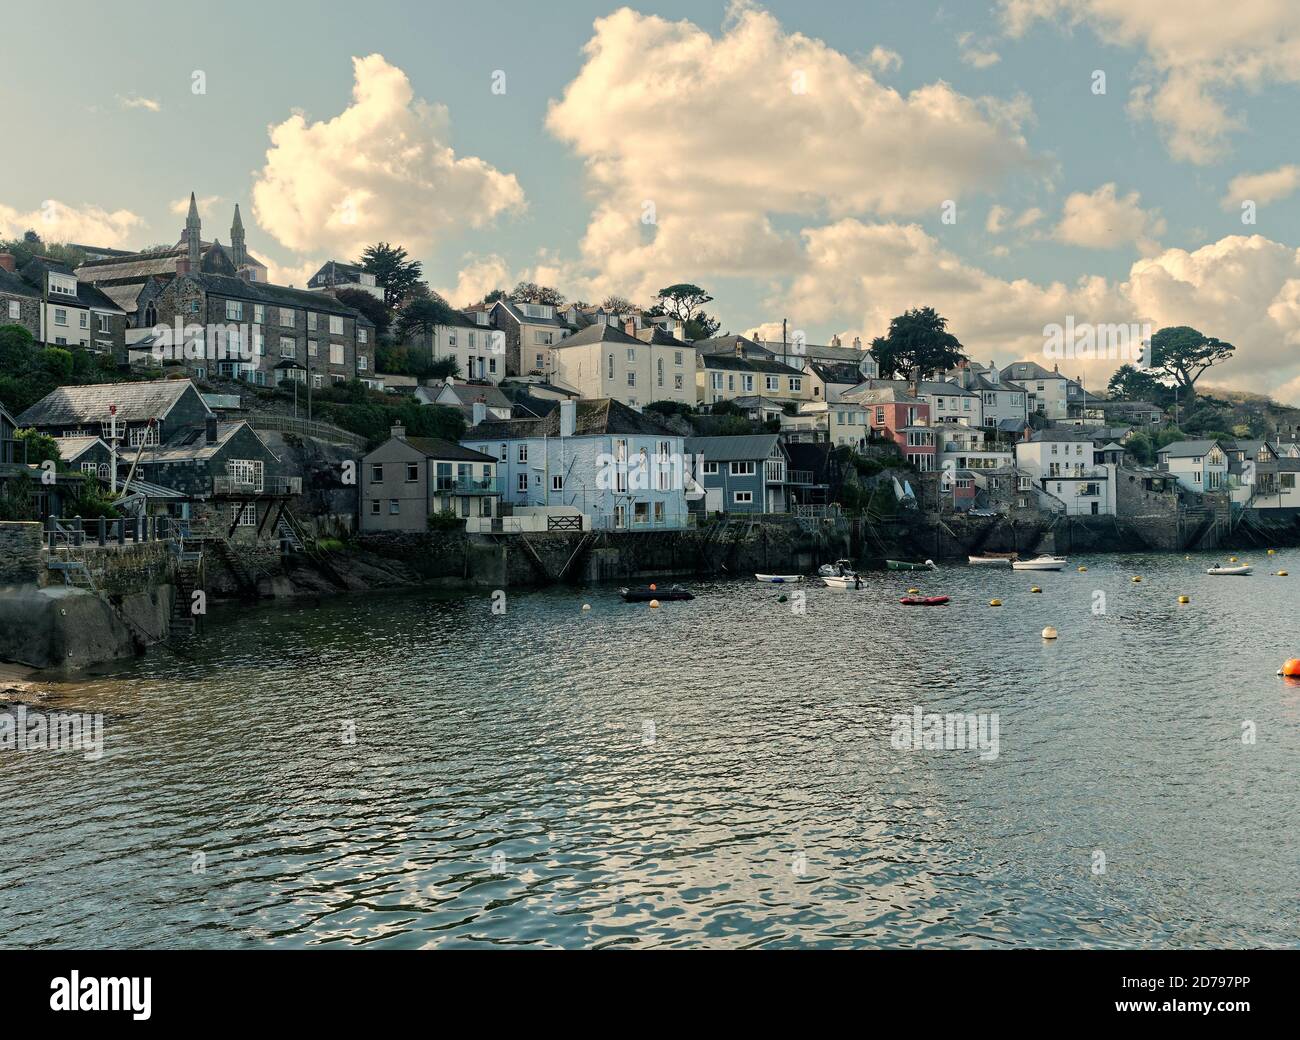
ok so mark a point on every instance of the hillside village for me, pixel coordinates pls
(176, 390)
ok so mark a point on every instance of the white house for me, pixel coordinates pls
(604, 361)
(478, 349)
(1048, 392)
(952, 403)
(1062, 462)
(1199, 465)
(1000, 399)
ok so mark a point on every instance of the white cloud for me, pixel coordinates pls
(1262, 188)
(296, 275)
(135, 101)
(56, 221)
(478, 277)
(381, 169)
(884, 60)
(976, 52)
(1000, 219)
(1103, 220)
(1197, 49)
(793, 127)
(181, 206)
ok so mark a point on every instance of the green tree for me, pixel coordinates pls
(1129, 383)
(682, 300)
(420, 317)
(531, 292)
(918, 342)
(701, 326)
(1182, 354)
(57, 362)
(394, 271)
(617, 304)
(374, 309)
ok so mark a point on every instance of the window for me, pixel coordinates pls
(311, 321)
(259, 314)
(83, 319)
(717, 381)
(540, 361)
(244, 515)
(336, 353)
(336, 325)
(796, 384)
(60, 316)
(742, 469)
(311, 348)
(234, 310)
(363, 336)
(394, 507)
(146, 435)
(677, 357)
(15, 309)
(286, 317)
(288, 347)
(376, 473)
(523, 453)
(412, 472)
(544, 339)
(742, 497)
(557, 483)
(677, 382)
(631, 379)
(374, 507)
(659, 369)
(317, 382)
(105, 323)
(504, 453)
(362, 363)
(640, 512)
(659, 513)
(620, 516)
(710, 469)
(747, 384)
(247, 473)
(522, 482)
(773, 383)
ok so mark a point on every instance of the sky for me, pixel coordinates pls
(1014, 164)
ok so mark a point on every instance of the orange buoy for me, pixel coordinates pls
(654, 587)
(1291, 669)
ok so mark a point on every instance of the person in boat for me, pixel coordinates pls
(857, 580)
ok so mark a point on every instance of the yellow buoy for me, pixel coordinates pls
(1183, 599)
(1281, 574)
(654, 603)
(1137, 577)
(995, 603)
(1035, 589)
(1049, 632)
(1082, 569)
(913, 592)
(1232, 559)
(1272, 552)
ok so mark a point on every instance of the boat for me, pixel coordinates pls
(992, 560)
(1221, 568)
(779, 579)
(851, 582)
(904, 565)
(923, 601)
(1040, 563)
(645, 593)
(837, 569)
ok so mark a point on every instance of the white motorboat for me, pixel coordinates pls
(847, 581)
(1221, 568)
(779, 579)
(837, 569)
(1040, 563)
(990, 561)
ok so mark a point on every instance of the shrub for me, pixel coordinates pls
(446, 520)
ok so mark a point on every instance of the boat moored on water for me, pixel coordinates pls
(1222, 568)
(851, 582)
(923, 601)
(905, 565)
(645, 593)
(779, 579)
(1040, 563)
(990, 559)
(838, 569)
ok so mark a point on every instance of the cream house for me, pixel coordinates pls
(603, 361)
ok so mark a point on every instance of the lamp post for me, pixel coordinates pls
(291, 365)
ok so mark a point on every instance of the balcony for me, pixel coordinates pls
(799, 476)
(467, 486)
(226, 486)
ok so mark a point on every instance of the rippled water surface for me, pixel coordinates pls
(716, 772)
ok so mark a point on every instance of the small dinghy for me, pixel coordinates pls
(645, 593)
(1040, 563)
(1221, 568)
(836, 570)
(851, 582)
(923, 601)
(992, 560)
(904, 565)
(779, 579)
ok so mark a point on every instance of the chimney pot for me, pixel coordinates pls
(568, 417)
(397, 432)
(629, 326)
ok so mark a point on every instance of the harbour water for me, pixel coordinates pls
(415, 770)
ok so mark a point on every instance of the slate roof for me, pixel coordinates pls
(871, 392)
(70, 448)
(277, 295)
(731, 363)
(513, 310)
(594, 417)
(192, 444)
(155, 261)
(136, 402)
(599, 333)
(1019, 371)
(727, 345)
(334, 271)
(943, 389)
(87, 294)
(15, 285)
(449, 451)
(837, 372)
(744, 448)
(468, 393)
(1062, 433)
(1187, 449)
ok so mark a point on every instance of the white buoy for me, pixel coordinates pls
(1049, 632)
(586, 606)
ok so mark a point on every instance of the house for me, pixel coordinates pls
(604, 361)
(8, 440)
(965, 447)
(595, 459)
(736, 346)
(465, 396)
(530, 329)
(123, 276)
(1062, 462)
(478, 349)
(951, 402)
(957, 486)
(895, 414)
(47, 497)
(797, 352)
(59, 309)
(407, 480)
(1000, 400)
(1253, 472)
(1048, 392)
(335, 275)
(1135, 413)
(145, 412)
(746, 474)
(1199, 465)
(724, 377)
(842, 423)
(90, 455)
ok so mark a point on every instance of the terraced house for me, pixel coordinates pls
(605, 361)
(530, 329)
(59, 309)
(723, 377)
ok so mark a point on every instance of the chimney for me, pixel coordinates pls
(182, 266)
(211, 429)
(857, 342)
(7, 262)
(568, 417)
(679, 329)
(397, 431)
(480, 411)
(629, 326)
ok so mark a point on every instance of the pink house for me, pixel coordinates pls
(893, 412)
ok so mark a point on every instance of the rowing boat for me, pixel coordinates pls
(779, 579)
(904, 565)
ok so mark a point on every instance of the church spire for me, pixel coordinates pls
(193, 234)
(237, 240)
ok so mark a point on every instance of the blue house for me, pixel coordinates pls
(623, 469)
(746, 474)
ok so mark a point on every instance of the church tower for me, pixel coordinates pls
(193, 235)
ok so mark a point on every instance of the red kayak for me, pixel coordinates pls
(923, 601)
